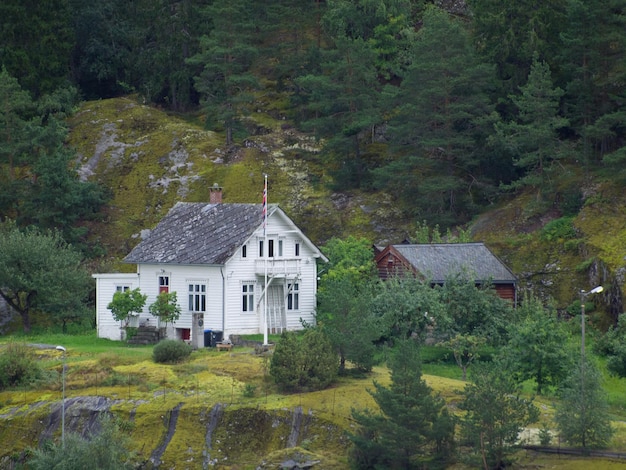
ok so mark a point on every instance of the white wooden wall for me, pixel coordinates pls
(224, 286)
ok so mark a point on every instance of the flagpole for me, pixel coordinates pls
(265, 252)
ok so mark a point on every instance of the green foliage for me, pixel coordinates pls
(349, 254)
(42, 60)
(343, 295)
(537, 346)
(171, 351)
(532, 139)
(406, 306)
(165, 307)
(40, 185)
(559, 230)
(545, 435)
(425, 234)
(413, 423)
(305, 364)
(126, 303)
(107, 449)
(582, 415)
(17, 366)
(473, 310)
(613, 345)
(249, 390)
(40, 271)
(495, 413)
(439, 124)
(344, 317)
(226, 82)
(465, 349)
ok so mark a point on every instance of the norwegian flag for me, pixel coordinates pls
(264, 212)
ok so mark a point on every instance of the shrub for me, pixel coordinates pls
(17, 366)
(170, 350)
(307, 364)
(559, 229)
(105, 450)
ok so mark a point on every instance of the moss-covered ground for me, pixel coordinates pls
(256, 421)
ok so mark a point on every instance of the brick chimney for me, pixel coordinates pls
(216, 194)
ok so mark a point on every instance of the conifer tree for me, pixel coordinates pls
(438, 124)
(532, 138)
(495, 413)
(226, 54)
(582, 415)
(412, 424)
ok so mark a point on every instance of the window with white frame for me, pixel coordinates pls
(122, 288)
(247, 297)
(244, 251)
(297, 249)
(197, 296)
(293, 296)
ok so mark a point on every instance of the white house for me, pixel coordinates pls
(231, 272)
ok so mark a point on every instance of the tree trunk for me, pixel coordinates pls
(25, 321)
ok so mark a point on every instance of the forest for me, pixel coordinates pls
(446, 106)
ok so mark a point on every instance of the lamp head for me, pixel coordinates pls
(596, 290)
(60, 348)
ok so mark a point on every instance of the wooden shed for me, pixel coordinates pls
(439, 261)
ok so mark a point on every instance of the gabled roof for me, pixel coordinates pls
(200, 233)
(438, 261)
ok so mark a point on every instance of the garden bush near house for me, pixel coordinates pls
(305, 364)
(17, 366)
(171, 351)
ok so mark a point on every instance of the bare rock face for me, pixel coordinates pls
(456, 7)
(6, 314)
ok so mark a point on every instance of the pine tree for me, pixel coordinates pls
(532, 138)
(582, 415)
(437, 124)
(412, 425)
(226, 54)
(495, 413)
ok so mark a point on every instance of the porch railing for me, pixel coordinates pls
(278, 267)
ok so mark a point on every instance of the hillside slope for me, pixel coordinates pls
(149, 160)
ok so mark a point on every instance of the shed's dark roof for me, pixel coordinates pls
(199, 233)
(439, 261)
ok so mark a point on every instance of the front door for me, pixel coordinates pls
(276, 321)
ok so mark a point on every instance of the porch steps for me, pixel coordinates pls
(145, 335)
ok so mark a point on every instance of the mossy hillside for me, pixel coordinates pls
(149, 160)
(555, 266)
(145, 394)
(251, 430)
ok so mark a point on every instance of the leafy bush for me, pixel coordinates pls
(17, 366)
(559, 229)
(307, 364)
(170, 350)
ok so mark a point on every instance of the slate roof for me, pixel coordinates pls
(437, 261)
(199, 233)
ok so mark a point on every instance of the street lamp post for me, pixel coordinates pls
(583, 294)
(61, 348)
